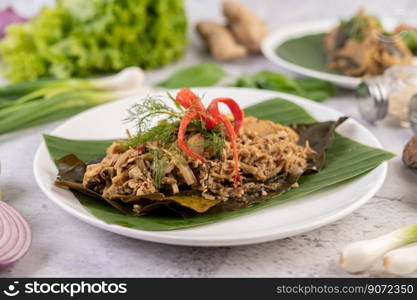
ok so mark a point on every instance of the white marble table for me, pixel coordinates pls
(65, 246)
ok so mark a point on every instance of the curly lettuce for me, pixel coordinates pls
(81, 38)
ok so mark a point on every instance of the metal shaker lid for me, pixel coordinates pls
(372, 96)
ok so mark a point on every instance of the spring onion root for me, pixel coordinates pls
(359, 256)
(401, 261)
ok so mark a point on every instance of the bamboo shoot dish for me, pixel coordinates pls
(197, 160)
(361, 46)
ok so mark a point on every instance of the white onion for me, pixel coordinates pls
(15, 235)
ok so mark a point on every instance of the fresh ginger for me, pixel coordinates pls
(248, 29)
(220, 40)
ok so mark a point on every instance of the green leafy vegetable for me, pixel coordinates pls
(346, 159)
(209, 74)
(81, 38)
(204, 74)
(314, 89)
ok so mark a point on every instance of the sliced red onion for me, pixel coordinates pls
(8, 16)
(15, 235)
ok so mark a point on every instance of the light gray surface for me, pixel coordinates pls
(65, 246)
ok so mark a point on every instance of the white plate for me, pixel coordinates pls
(283, 220)
(293, 31)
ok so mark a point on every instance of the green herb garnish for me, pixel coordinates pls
(158, 166)
(148, 109)
(356, 26)
(164, 132)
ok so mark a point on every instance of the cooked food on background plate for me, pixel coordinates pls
(197, 161)
(409, 35)
(360, 46)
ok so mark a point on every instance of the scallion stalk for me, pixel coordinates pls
(360, 256)
(53, 100)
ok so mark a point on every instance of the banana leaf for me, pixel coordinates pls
(306, 51)
(320, 136)
(345, 159)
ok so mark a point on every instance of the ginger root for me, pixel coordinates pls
(248, 28)
(221, 42)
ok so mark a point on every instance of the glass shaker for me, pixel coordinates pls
(390, 98)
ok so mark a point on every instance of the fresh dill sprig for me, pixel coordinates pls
(165, 132)
(151, 107)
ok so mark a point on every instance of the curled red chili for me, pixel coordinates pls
(211, 118)
(181, 133)
(187, 99)
(238, 115)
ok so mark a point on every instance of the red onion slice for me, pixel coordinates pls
(15, 235)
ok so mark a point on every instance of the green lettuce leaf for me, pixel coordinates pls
(84, 38)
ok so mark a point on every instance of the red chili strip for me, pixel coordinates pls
(238, 114)
(232, 137)
(211, 117)
(187, 99)
(189, 116)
